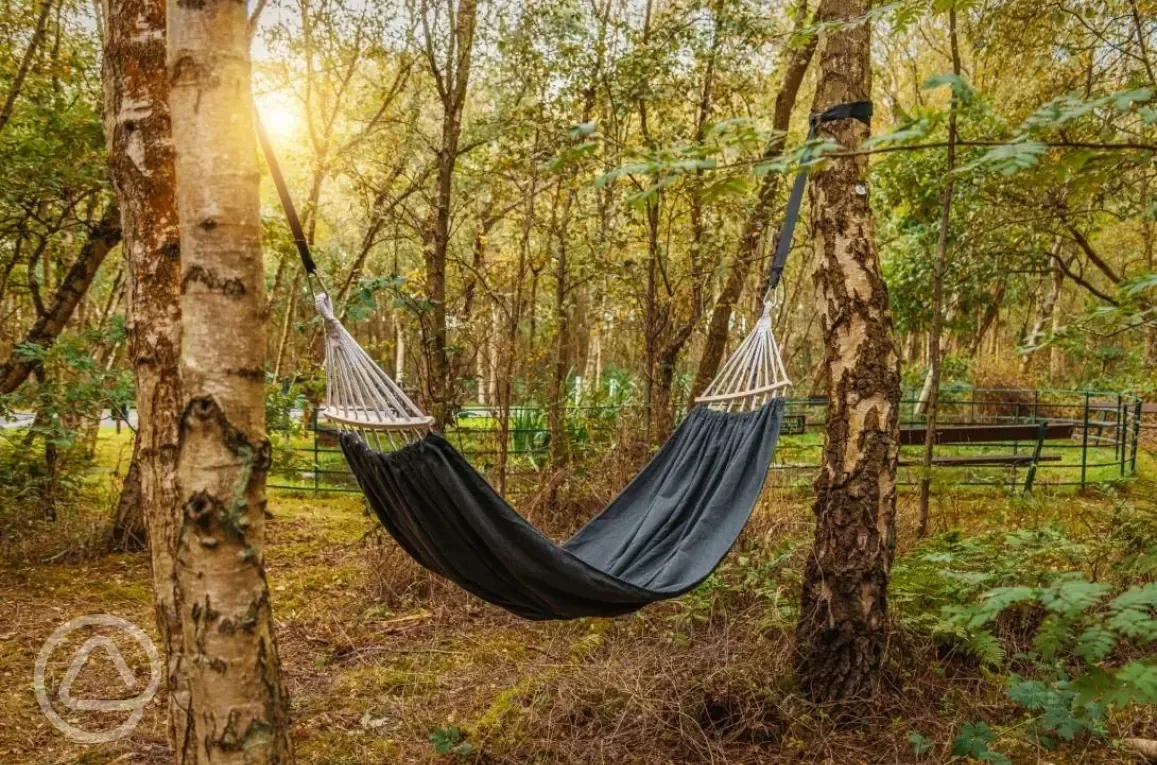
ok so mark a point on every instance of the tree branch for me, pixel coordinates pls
(25, 64)
(103, 238)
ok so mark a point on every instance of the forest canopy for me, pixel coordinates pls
(604, 170)
(554, 226)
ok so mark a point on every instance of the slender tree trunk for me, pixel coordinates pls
(239, 708)
(1036, 334)
(652, 320)
(560, 364)
(34, 44)
(556, 395)
(129, 533)
(1056, 322)
(1147, 256)
(651, 317)
(938, 260)
(101, 240)
(843, 610)
(677, 336)
(989, 320)
(139, 135)
(757, 221)
(399, 351)
(286, 326)
(492, 356)
(507, 356)
(592, 370)
(454, 81)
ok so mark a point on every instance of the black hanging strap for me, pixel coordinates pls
(286, 200)
(859, 110)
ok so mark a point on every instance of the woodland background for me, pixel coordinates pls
(563, 203)
(601, 176)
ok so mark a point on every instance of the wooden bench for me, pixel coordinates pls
(1035, 433)
(983, 460)
(981, 434)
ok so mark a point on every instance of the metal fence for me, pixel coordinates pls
(1106, 431)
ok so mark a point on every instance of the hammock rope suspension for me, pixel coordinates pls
(753, 375)
(660, 537)
(362, 398)
(359, 395)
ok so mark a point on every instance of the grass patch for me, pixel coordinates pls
(423, 673)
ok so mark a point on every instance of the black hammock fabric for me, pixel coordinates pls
(663, 535)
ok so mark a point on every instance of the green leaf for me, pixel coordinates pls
(1125, 100)
(1071, 597)
(996, 600)
(448, 740)
(1009, 158)
(1032, 694)
(985, 647)
(30, 352)
(911, 131)
(1137, 597)
(973, 741)
(1094, 684)
(921, 744)
(725, 187)
(1134, 623)
(1095, 643)
(960, 89)
(1139, 683)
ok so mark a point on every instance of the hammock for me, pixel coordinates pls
(662, 536)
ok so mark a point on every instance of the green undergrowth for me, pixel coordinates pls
(1023, 630)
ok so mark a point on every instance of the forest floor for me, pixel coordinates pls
(385, 664)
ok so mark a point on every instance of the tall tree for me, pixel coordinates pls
(139, 134)
(841, 631)
(238, 707)
(26, 62)
(934, 337)
(561, 363)
(758, 219)
(451, 72)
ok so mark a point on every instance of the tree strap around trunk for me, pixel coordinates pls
(859, 110)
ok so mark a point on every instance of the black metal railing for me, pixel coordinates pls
(1106, 434)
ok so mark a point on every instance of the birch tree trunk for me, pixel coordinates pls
(841, 631)
(1147, 257)
(140, 147)
(139, 135)
(239, 709)
(1056, 323)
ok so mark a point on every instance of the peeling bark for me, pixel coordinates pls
(238, 707)
(139, 134)
(843, 614)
